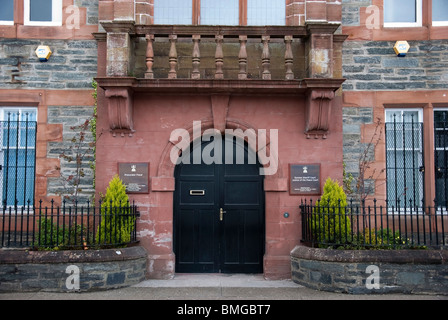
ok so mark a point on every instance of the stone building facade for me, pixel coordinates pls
(311, 82)
(57, 94)
(167, 85)
(379, 85)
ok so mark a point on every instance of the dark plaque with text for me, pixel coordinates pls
(134, 176)
(305, 179)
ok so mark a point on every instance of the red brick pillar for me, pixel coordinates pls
(295, 12)
(144, 12)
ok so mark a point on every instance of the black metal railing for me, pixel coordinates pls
(68, 226)
(361, 226)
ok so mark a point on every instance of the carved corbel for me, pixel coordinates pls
(318, 109)
(119, 105)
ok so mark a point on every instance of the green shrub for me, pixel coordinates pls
(116, 223)
(329, 222)
(48, 236)
(51, 236)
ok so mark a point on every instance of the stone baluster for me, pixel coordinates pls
(172, 74)
(219, 57)
(195, 74)
(289, 58)
(149, 74)
(242, 58)
(266, 58)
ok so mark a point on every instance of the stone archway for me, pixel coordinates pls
(162, 259)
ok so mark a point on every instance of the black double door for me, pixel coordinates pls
(219, 213)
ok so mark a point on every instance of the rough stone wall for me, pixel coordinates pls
(351, 11)
(72, 65)
(373, 65)
(22, 271)
(71, 118)
(353, 120)
(371, 271)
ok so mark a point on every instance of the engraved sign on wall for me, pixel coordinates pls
(305, 179)
(135, 176)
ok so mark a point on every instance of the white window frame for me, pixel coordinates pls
(420, 113)
(7, 22)
(56, 19)
(5, 109)
(418, 23)
(440, 23)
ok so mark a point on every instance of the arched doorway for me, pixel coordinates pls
(219, 214)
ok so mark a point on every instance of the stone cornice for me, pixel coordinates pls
(228, 86)
(211, 31)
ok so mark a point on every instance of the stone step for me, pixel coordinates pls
(221, 285)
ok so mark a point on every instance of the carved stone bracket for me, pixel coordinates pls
(119, 106)
(318, 110)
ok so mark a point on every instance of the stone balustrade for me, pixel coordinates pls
(222, 52)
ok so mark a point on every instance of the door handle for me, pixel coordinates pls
(221, 214)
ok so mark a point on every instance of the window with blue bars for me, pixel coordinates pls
(17, 155)
(404, 157)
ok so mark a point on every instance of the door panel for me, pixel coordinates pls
(243, 242)
(196, 252)
(241, 193)
(205, 241)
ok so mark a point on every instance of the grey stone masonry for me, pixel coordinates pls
(351, 11)
(353, 120)
(71, 117)
(55, 271)
(371, 271)
(72, 65)
(373, 65)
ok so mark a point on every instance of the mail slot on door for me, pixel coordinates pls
(197, 192)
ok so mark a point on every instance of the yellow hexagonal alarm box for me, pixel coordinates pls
(43, 53)
(401, 48)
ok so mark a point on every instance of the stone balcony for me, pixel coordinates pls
(299, 60)
(222, 52)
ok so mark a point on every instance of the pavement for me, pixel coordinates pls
(213, 287)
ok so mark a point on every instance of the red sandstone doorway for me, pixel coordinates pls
(219, 214)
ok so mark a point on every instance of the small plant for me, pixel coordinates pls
(372, 238)
(116, 222)
(51, 236)
(329, 222)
